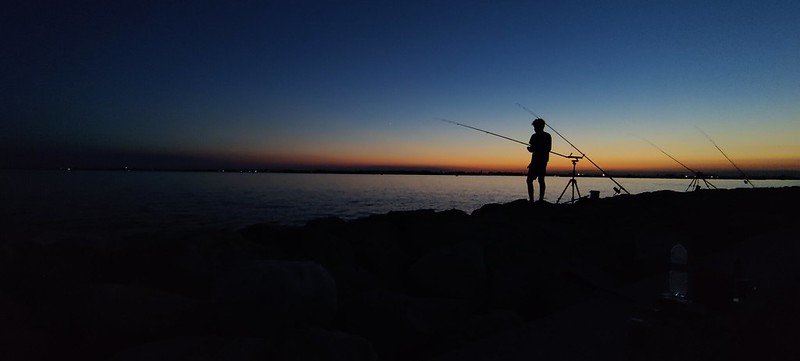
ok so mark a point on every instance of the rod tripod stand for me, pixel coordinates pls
(695, 183)
(572, 182)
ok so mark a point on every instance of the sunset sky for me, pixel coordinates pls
(363, 84)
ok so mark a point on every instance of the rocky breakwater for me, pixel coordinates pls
(396, 286)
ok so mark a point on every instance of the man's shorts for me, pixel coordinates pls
(537, 169)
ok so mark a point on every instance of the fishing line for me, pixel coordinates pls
(726, 157)
(579, 151)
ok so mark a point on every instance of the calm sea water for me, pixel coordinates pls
(144, 201)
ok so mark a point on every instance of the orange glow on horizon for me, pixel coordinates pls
(556, 164)
(500, 159)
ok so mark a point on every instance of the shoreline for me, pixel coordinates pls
(420, 284)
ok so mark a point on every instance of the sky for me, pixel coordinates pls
(344, 84)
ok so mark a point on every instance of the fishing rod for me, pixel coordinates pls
(696, 173)
(501, 136)
(485, 131)
(746, 181)
(579, 151)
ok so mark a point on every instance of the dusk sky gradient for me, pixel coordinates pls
(362, 84)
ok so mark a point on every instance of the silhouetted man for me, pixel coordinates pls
(539, 146)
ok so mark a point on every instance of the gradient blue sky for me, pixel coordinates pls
(362, 83)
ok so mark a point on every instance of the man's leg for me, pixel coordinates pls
(541, 187)
(529, 181)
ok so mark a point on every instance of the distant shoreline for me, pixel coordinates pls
(758, 175)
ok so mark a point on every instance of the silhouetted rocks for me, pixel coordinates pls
(451, 271)
(200, 348)
(322, 344)
(268, 297)
(402, 285)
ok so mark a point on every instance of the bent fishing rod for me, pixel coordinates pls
(503, 136)
(579, 151)
(747, 181)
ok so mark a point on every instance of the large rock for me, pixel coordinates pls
(352, 279)
(92, 321)
(452, 271)
(61, 256)
(319, 345)
(200, 348)
(521, 287)
(265, 297)
(21, 336)
(199, 257)
(130, 312)
(485, 325)
(377, 250)
(402, 326)
(320, 240)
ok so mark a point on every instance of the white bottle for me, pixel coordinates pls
(678, 275)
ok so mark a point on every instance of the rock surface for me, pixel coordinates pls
(509, 281)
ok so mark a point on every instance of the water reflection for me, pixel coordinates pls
(119, 200)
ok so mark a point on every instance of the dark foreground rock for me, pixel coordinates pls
(509, 281)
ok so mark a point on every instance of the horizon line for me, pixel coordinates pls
(666, 174)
